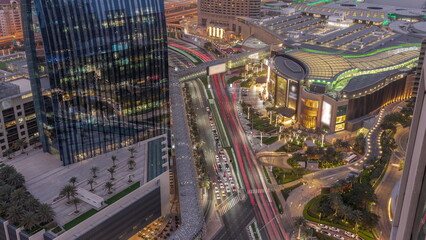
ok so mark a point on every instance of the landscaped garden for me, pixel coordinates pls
(285, 176)
(19, 207)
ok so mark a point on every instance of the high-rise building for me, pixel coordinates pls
(218, 16)
(10, 18)
(100, 77)
(410, 213)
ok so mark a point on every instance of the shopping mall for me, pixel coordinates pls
(336, 91)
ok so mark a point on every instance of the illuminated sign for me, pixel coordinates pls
(216, 69)
(340, 127)
(341, 119)
(326, 113)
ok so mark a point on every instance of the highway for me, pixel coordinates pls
(265, 209)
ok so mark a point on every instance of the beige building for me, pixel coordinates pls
(17, 114)
(219, 16)
(10, 18)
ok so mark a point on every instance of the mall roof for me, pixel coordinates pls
(365, 81)
(365, 11)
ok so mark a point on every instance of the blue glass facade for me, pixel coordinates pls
(101, 80)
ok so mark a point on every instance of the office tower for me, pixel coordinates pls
(410, 215)
(10, 18)
(99, 78)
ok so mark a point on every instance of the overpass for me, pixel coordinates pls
(233, 61)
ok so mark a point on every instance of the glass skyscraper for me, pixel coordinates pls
(98, 71)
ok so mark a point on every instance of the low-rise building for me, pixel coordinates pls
(17, 114)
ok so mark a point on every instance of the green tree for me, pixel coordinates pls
(109, 187)
(29, 220)
(113, 158)
(20, 144)
(6, 171)
(18, 196)
(76, 201)
(356, 217)
(299, 222)
(369, 220)
(94, 170)
(31, 204)
(111, 170)
(14, 214)
(90, 182)
(68, 191)
(16, 179)
(336, 202)
(45, 213)
(131, 163)
(132, 151)
(73, 181)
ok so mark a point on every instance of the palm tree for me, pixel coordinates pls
(31, 204)
(76, 201)
(73, 180)
(16, 179)
(131, 163)
(20, 145)
(29, 220)
(109, 187)
(45, 213)
(113, 158)
(132, 151)
(345, 212)
(68, 191)
(18, 196)
(299, 222)
(111, 170)
(91, 181)
(356, 217)
(8, 153)
(94, 170)
(336, 202)
(14, 214)
(6, 171)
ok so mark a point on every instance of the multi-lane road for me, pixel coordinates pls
(264, 208)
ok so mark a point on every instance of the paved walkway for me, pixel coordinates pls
(45, 177)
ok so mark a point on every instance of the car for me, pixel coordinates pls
(219, 179)
(337, 236)
(218, 196)
(216, 190)
(232, 182)
(228, 190)
(207, 109)
(334, 229)
(226, 184)
(219, 166)
(326, 233)
(222, 186)
(349, 234)
(227, 166)
(223, 194)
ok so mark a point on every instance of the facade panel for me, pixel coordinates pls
(106, 82)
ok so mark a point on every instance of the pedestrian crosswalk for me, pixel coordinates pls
(255, 191)
(230, 203)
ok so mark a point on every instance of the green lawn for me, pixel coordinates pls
(277, 202)
(311, 213)
(266, 174)
(234, 79)
(269, 140)
(80, 219)
(123, 193)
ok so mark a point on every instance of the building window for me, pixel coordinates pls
(18, 107)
